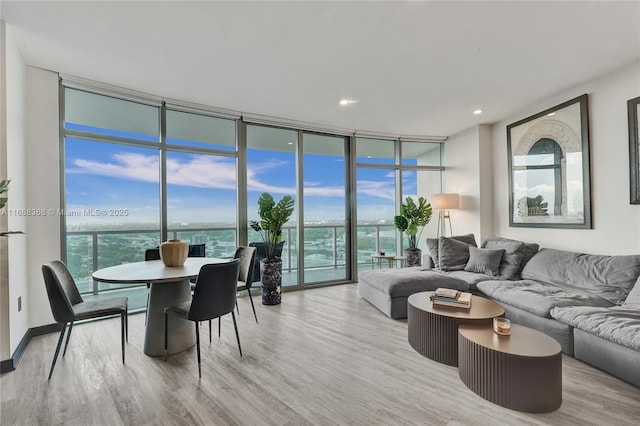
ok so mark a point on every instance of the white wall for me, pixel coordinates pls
(616, 223)
(468, 173)
(16, 171)
(43, 185)
(4, 242)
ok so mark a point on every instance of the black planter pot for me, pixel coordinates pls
(414, 257)
(271, 274)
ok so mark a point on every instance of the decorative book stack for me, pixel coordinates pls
(451, 297)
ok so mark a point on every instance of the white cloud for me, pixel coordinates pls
(203, 171)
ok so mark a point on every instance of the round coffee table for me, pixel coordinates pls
(433, 330)
(522, 371)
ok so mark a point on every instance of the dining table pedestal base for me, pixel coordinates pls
(182, 334)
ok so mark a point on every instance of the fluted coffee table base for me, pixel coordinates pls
(522, 372)
(433, 331)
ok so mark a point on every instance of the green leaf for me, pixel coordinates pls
(413, 218)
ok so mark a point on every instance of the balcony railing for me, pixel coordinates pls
(324, 245)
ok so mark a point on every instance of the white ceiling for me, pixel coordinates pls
(417, 68)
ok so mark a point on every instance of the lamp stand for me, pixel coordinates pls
(443, 216)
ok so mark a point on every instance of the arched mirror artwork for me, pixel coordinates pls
(548, 154)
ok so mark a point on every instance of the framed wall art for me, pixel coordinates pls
(634, 149)
(549, 182)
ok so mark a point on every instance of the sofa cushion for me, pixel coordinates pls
(511, 258)
(619, 324)
(471, 278)
(538, 298)
(633, 298)
(529, 250)
(610, 277)
(454, 254)
(432, 246)
(484, 261)
(402, 282)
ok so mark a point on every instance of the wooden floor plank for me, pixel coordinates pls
(322, 357)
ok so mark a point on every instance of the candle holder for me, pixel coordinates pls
(502, 326)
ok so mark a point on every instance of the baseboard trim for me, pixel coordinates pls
(11, 364)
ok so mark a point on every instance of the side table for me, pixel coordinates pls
(522, 371)
(376, 256)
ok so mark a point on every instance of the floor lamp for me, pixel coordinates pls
(444, 203)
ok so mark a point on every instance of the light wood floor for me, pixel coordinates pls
(323, 357)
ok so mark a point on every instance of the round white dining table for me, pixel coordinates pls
(169, 286)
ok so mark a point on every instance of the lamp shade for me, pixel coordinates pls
(445, 201)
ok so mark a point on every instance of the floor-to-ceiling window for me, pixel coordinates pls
(137, 174)
(324, 200)
(138, 171)
(388, 171)
(271, 167)
(201, 187)
(112, 186)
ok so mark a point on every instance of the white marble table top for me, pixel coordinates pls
(153, 271)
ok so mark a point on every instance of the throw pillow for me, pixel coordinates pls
(454, 254)
(633, 298)
(511, 258)
(432, 246)
(484, 261)
(529, 250)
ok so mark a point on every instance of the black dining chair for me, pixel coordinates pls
(197, 250)
(214, 296)
(247, 256)
(68, 306)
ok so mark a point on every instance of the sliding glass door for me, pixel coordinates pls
(325, 225)
(271, 167)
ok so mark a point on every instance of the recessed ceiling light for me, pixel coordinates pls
(477, 112)
(551, 114)
(290, 143)
(345, 101)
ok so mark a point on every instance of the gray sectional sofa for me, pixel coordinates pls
(589, 303)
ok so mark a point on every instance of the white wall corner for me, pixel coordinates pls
(43, 142)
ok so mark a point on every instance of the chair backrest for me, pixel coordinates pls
(197, 250)
(215, 292)
(247, 256)
(61, 289)
(261, 253)
(152, 254)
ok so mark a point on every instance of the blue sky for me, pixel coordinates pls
(202, 188)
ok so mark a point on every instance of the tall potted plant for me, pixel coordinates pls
(412, 220)
(273, 216)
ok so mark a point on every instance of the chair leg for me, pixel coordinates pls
(219, 322)
(198, 351)
(209, 331)
(126, 320)
(55, 356)
(166, 335)
(253, 306)
(123, 331)
(146, 311)
(68, 337)
(237, 309)
(233, 315)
